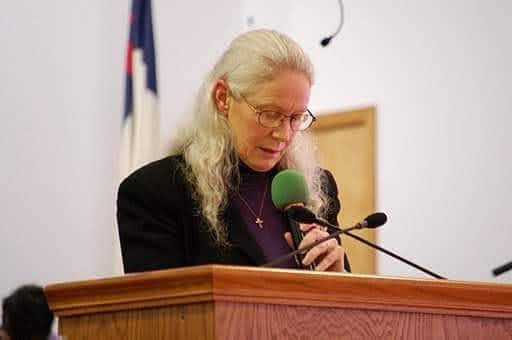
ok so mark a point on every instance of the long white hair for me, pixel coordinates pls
(207, 144)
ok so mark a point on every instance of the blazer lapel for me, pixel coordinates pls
(240, 237)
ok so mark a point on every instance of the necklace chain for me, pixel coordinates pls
(259, 221)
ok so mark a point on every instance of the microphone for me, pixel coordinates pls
(304, 215)
(289, 189)
(335, 234)
(502, 269)
(325, 41)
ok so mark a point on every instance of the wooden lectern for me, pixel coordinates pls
(227, 302)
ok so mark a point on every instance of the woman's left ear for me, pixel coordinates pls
(221, 96)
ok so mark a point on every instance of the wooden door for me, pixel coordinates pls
(346, 147)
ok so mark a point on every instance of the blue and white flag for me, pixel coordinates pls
(140, 135)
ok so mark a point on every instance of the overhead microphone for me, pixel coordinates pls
(304, 215)
(325, 41)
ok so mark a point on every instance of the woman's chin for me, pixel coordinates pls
(262, 165)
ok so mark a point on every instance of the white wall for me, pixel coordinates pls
(61, 67)
(190, 36)
(438, 73)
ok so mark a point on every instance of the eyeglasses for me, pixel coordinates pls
(273, 119)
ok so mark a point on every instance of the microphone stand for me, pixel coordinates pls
(336, 231)
(385, 251)
(395, 256)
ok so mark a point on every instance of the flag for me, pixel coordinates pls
(140, 129)
(140, 135)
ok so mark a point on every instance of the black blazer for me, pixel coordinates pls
(160, 225)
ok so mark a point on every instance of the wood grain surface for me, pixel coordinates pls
(267, 321)
(227, 302)
(278, 286)
(189, 321)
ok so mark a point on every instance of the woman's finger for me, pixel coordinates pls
(307, 227)
(333, 258)
(289, 240)
(319, 249)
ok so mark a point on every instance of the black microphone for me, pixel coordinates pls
(297, 236)
(325, 41)
(303, 215)
(502, 269)
(289, 189)
(335, 234)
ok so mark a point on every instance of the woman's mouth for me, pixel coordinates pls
(272, 152)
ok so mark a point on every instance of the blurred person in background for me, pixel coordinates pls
(26, 315)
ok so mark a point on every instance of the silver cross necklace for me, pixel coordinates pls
(259, 221)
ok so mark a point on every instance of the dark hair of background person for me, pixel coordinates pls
(26, 314)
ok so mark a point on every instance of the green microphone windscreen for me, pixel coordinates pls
(289, 186)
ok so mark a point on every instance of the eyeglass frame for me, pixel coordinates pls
(281, 119)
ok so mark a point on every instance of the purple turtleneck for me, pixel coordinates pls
(270, 238)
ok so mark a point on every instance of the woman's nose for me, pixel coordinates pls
(284, 131)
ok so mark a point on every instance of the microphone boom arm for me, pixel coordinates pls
(303, 215)
(372, 245)
(395, 256)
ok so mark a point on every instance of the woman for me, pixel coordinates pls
(210, 201)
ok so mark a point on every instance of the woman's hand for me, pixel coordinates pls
(328, 255)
